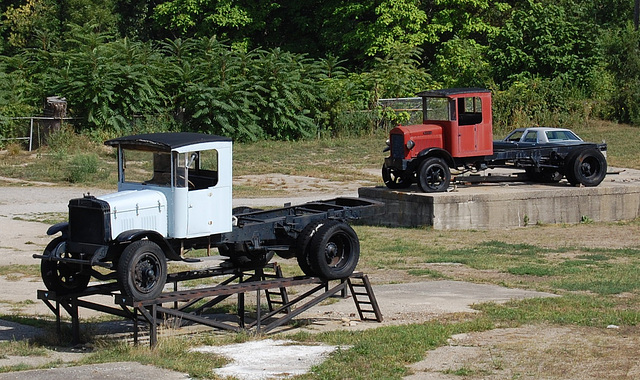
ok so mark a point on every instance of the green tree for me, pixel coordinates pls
(622, 49)
(542, 40)
(107, 81)
(30, 24)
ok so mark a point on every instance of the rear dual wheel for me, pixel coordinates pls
(329, 249)
(586, 166)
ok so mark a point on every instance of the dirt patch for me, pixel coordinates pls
(535, 352)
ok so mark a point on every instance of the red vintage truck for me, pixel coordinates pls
(457, 133)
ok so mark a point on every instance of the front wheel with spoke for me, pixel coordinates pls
(395, 179)
(60, 277)
(434, 175)
(142, 270)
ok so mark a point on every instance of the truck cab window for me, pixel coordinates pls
(201, 169)
(438, 109)
(470, 110)
(140, 166)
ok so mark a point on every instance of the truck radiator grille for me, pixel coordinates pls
(89, 221)
(397, 146)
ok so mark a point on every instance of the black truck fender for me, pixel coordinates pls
(59, 227)
(435, 152)
(134, 235)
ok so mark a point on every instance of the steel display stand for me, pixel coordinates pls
(192, 304)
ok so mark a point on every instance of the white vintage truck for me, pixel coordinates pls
(175, 195)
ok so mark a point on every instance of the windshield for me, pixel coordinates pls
(146, 167)
(438, 109)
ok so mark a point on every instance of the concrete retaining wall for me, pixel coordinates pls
(503, 206)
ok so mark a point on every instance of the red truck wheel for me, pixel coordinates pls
(395, 179)
(434, 175)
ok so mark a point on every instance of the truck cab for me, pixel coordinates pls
(457, 123)
(182, 182)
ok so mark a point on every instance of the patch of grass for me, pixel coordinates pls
(532, 270)
(170, 353)
(490, 255)
(20, 269)
(427, 273)
(581, 310)
(44, 217)
(462, 371)
(83, 167)
(20, 348)
(383, 353)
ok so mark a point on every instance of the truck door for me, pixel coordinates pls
(208, 199)
(474, 132)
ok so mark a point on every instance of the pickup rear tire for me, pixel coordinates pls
(434, 175)
(586, 166)
(62, 278)
(395, 179)
(334, 250)
(142, 270)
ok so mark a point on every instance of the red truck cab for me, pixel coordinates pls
(457, 123)
(456, 120)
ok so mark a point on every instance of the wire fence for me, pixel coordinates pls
(410, 107)
(38, 128)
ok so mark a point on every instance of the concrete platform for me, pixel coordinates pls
(514, 203)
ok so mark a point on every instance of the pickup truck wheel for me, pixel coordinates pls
(395, 179)
(434, 175)
(142, 270)
(334, 250)
(62, 278)
(586, 166)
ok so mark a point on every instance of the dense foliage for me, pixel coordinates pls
(288, 69)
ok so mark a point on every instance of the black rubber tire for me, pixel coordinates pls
(302, 246)
(142, 270)
(395, 179)
(434, 175)
(334, 250)
(62, 278)
(586, 166)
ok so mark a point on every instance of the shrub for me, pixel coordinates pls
(82, 167)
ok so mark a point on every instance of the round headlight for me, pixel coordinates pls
(410, 144)
(388, 142)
